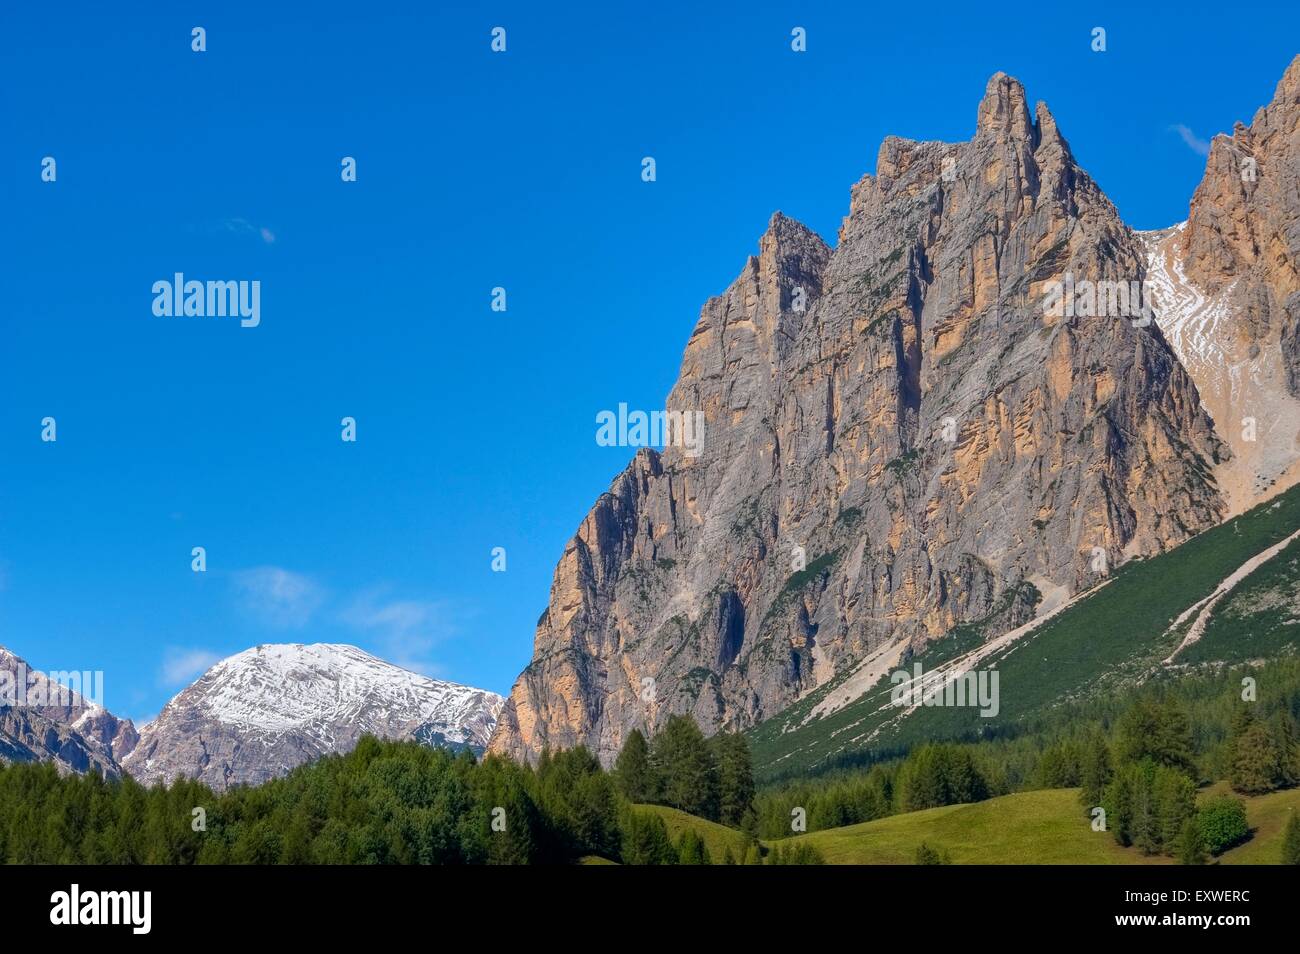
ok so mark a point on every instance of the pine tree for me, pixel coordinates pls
(735, 779)
(509, 819)
(964, 781)
(1095, 771)
(937, 775)
(925, 855)
(683, 763)
(645, 840)
(632, 769)
(1145, 826)
(1291, 841)
(1175, 802)
(594, 815)
(1286, 737)
(923, 779)
(1059, 766)
(691, 849)
(1191, 844)
(1256, 765)
(1117, 800)
(1158, 731)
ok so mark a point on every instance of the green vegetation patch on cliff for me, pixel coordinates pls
(1113, 637)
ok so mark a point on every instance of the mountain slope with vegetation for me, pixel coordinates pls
(1116, 636)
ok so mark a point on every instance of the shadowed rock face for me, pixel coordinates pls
(902, 409)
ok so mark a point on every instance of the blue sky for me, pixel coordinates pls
(522, 170)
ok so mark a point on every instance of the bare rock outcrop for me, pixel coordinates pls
(47, 719)
(900, 436)
(1229, 280)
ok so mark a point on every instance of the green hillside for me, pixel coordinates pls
(1109, 640)
(717, 838)
(1041, 827)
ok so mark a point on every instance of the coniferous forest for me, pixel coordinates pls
(387, 803)
(1140, 760)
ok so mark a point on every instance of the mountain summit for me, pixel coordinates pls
(260, 713)
(1229, 285)
(47, 720)
(901, 436)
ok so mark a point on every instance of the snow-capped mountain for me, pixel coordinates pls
(260, 713)
(44, 720)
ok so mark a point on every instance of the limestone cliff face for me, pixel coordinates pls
(899, 438)
(1244, 226)
(1230, 283)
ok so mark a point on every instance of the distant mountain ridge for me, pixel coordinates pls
(251, 717)
(258, 714)
(47, 722)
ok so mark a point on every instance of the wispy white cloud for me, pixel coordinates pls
(243, 226)
(181, 665)
(406, 630)
(1193, 142)
(278, 597)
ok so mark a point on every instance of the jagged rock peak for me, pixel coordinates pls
(791, 256)
(64, 726)
(826, 516)
(1232, 277)
(1242, 213)
(781, 229)
(1288, 87)
(1004, 112)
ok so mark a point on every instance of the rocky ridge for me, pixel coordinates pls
(1229, 283)
(260, 713)
(50, 722)
(900, 437)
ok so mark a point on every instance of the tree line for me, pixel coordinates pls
(712, 778)
(396, 803)
(1141, 756)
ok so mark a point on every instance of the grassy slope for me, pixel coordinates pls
(1045, 827)
(1103, 642)
(1268, 815)
(1042, 827)
(717, 838)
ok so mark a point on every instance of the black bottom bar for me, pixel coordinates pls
(333, 904)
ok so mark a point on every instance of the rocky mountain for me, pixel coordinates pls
(1228, 280)
(1227, 596)
(260, 713)
(45, 720)
(952, 417)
